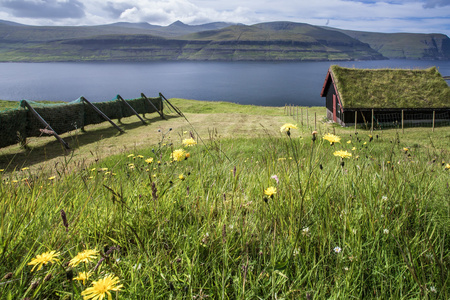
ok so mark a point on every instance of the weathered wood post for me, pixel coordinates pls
(153, 105)
(132, 109)
(297, 113)
(315, 121)
(307, 121)
(102, 114)
(47, 128)
(356, 119)
(371, 126)
(403, 129)
(434, 119)
(301, 115)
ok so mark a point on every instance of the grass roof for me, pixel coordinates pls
(391, 88)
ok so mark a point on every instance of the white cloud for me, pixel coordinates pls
(386, 16)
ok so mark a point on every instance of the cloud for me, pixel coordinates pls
(58, 9)
(164, 12)
(436, 3)
(116, 9)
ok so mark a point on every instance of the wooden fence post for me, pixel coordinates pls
(434, 119)
(153, 105)
(43, 122)
(307, 121)
(132, 109)
(102, 114)
(301, 115)
(356, 119)
(315, 121)
(371, 126)
(403, 130)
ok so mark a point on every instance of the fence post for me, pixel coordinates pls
(131, 108)
(98, 111)
(301, 115)
(45, 124)
(371, 126)
(356, 119)
(297, 114)
(434, 119)
(307, 121)
(403, 130)
(315, 121)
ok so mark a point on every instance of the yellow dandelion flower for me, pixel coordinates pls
(140, 156)
(103, 169)
(130, 155)
(447, 167)
(43, 259)
(281, 158)
(189, 142)
(332, 138)
(349, 142)
(101, 288)
(149, 160)
(24, 169)
(354, 148)
(82, 276)
(15, 181)
(178, 155)
(365, 143)
(181, 177)
(405, 149)
(1, 170)
(270, 191)
(93, 169)
(85, 256)
(342, 154)
(52, 178)
(287, 127)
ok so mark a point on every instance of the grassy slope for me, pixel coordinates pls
(375, 227)
(227, 120)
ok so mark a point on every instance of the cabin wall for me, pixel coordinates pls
(329, 104)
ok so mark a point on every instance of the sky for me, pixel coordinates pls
(415, 16)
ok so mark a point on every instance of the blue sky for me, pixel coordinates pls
(418, 16)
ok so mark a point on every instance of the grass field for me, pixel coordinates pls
(246, 212)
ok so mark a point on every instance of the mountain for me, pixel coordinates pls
(404, 45)
(273, 41)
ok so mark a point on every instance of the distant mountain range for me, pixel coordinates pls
(274, 41)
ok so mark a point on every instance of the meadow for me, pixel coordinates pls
(234, 202)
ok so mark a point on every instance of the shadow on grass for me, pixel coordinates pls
(35, 154)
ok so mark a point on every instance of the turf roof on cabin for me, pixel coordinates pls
(391, 88)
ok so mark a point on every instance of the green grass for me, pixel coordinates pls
(375, 225)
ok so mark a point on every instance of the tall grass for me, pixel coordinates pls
(375, 225)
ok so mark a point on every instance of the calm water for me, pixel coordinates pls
(259, 83)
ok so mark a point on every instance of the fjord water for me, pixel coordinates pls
(258, 83)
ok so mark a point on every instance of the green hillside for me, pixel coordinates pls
(405, 45)
(273, 41)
